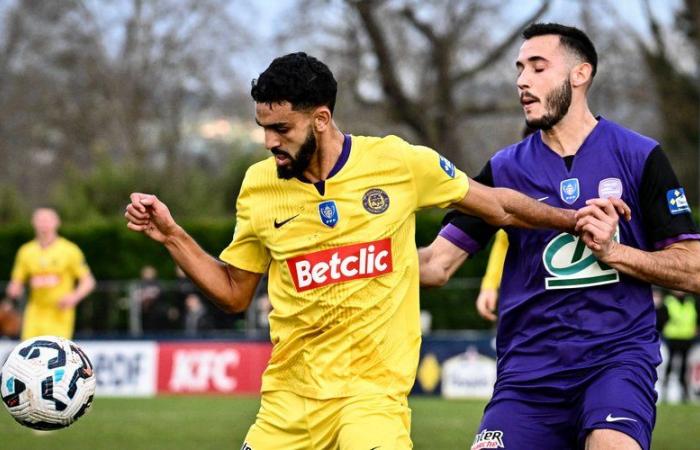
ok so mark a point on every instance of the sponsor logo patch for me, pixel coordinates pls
(573, 265)
(677, 203)
(341, 264)
(569, 190)
(447, 166)
(610, 188)
(488, 439)
(375, 201)
(329, 213)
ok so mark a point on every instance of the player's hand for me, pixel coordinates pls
(150, 216)
(486, 304)
(597, 224)
(14, 290)
(68, 301)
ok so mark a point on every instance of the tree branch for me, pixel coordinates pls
(501, 48)
(402, 106)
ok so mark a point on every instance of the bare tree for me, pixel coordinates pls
(431, 60)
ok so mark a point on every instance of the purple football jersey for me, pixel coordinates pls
(560, 308)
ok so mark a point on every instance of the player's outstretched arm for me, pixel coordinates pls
(506, 207)
(439, 261)
(677, 266)
(230, 288)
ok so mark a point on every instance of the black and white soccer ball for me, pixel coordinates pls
(47, 383)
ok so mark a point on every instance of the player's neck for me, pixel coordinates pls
(329, 148)
(46, 240)
(567, 136)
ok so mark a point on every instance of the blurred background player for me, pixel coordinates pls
(577, 345)
(678, 320)
(331, 219)
(57, 275)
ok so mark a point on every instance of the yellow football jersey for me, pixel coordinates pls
(51, 272)
(497, 257)
(343, 265)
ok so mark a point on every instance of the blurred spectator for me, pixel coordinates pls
(678, 320)
(10, 320)
(196, 317)
(148, 293)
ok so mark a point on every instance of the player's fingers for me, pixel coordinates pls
(604, 229)
(621, 207)
(599, 218)
(590, 242)
(598, 235)
(135, 198)
(135, 227)
(134, 211)
(483, 309)
(605, 204)
(591, 210)
(491, 308)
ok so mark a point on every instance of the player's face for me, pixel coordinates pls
(543, 81)
(45, 222)
(288, 135)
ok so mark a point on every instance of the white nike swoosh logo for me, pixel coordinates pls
(610, 418)
(542, 199)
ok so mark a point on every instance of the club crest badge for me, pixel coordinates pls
(375, 201)
(447, 166)
(569, 190)
(610, 188)
(328, 212)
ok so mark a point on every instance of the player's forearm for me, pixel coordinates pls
(525, 212)
(85, 286)
(675, 267)
(209, 274)
(439, 261)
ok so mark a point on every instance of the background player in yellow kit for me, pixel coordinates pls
(51, 265)
(331, 217)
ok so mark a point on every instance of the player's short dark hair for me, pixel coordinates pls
(572, 38)
(297, 78)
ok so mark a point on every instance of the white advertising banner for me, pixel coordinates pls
(468, 375)
(123, 368)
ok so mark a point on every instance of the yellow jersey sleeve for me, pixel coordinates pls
(20, 270)
(494, 268)
(438, 182)
(246, 251)
(78, 266)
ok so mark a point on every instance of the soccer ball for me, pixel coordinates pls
(47, 383)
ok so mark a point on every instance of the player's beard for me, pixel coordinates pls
(557, 105)
(297, 165)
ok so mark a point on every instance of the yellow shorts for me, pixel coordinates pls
(41, 321)
(365, 422)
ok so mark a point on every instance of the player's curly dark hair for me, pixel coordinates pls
(572, 38)
(297, 78)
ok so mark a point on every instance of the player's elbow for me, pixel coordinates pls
(232, 306)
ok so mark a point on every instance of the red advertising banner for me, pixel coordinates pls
(211, 367)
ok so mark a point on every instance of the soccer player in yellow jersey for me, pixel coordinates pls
(57, 275)
(331, 218)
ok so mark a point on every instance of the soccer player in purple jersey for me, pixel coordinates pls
(577, 346)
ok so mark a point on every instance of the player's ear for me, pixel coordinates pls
(322, 119)
(581, 74)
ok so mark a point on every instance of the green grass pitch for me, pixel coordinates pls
(215, 423)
